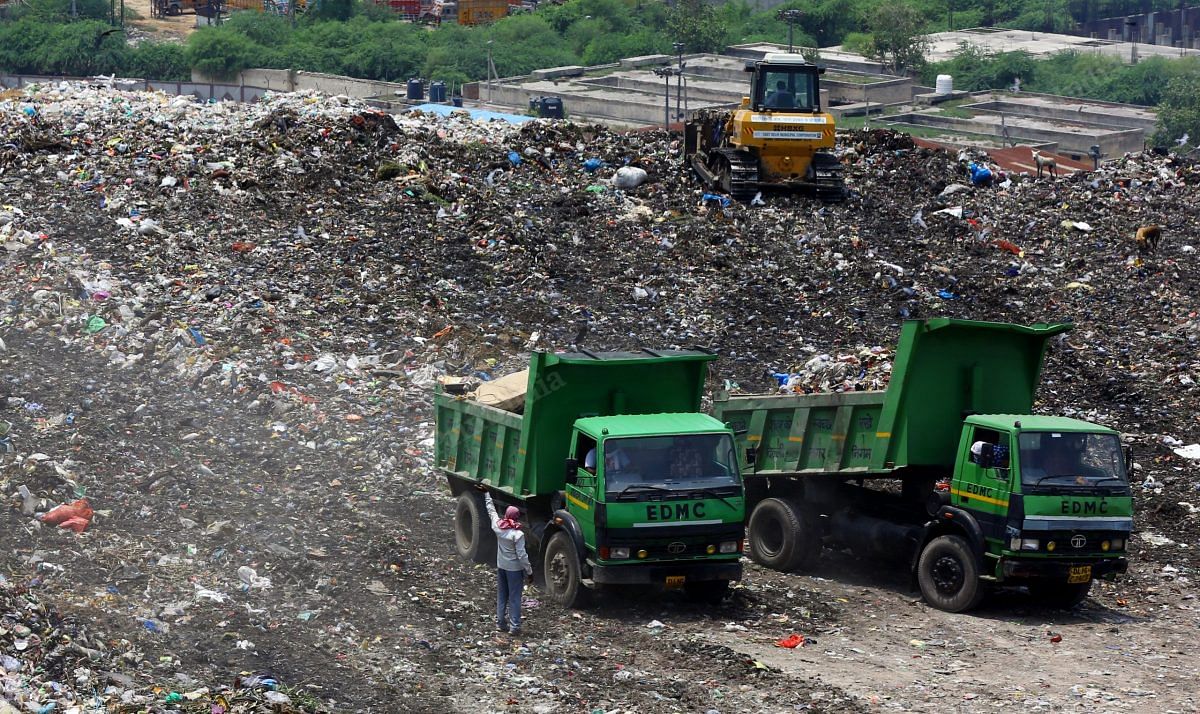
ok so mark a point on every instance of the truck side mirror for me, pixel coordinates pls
(751, 455)
(1128, 462)
(572, 475)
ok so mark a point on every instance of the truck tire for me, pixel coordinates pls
(1060, 595)
(710, 592)
(473, 536)
(563, 572)
(783, 536)
(949, 574)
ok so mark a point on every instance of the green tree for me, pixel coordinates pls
(222, 52)
(1179, 114)
(897, 36)
(695, 23)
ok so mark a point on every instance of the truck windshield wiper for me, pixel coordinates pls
(1039, 481)
(714, 494)
(645, 486)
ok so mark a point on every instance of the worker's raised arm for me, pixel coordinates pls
(491, 510)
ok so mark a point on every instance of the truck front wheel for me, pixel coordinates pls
(1060, 595)
(949, 575)
(564, 583)
(783, 536)
(473, 536)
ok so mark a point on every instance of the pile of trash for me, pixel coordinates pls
(221, 324)
(51, 662)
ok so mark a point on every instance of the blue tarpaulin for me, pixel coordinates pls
(476, 114)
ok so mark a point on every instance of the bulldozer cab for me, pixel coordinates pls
(784, 82)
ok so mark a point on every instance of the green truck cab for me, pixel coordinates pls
(623, 480)
(946, 469)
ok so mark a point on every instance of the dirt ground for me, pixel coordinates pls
(160, 28)
(369, 609)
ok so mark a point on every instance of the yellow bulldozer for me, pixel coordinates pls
(777, 139)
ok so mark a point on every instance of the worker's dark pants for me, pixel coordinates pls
(509, 584)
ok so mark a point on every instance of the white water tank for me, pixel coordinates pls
(945, 84)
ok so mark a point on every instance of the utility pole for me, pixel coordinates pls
(678, 80)
(491, 68)
(666, 73)
(791, 17)
(1133, 39)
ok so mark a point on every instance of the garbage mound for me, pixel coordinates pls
(221, 324)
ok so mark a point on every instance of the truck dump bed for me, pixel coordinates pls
(525, 454)
(944, 370)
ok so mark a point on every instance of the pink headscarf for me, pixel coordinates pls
(510, 522)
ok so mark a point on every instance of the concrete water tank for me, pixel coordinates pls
(945, 84)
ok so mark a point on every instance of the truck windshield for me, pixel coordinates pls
(670, 463)
(786, 88)
(1052, 459)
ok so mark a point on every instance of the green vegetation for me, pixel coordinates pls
(1068, 73)
(359, 38)
(43, 38)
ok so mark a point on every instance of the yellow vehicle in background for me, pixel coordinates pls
(777, 139)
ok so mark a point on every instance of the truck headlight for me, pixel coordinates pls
(1118, 543)
(729, 546)
(619, 553)
(1023, 544)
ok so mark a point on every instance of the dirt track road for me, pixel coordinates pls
(889, 650)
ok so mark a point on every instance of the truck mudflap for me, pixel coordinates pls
(1043, 569)
(665, 574)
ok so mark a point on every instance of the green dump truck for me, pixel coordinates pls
(946, 469)
(623, 479)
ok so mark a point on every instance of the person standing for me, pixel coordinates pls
(512, 566)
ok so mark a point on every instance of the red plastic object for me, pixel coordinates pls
(75, 516)
(791, 642)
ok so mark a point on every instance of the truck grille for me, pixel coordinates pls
(662, 546)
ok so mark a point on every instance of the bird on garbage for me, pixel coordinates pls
(582, 323)
(1182, 140)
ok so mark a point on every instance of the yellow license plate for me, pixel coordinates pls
(1079, 574)
(675, 581)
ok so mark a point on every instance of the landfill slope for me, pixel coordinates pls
(221, 325)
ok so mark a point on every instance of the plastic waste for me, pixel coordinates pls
(629, 177)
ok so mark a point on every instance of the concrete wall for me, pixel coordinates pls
(1090, 115)
(203, 91)
(283, 80)
(1111, 142)
(889, 91)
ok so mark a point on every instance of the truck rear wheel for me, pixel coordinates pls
(949, 575)
(564, 580)
(783, 536)
(1060, 595)
(473, 536)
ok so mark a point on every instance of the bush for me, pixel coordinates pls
(158, 60)
(221, 52)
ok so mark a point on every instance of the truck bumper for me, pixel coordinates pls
(1040, 569)
(657, 573)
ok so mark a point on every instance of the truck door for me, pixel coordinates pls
(581, 495)
(983, 485)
